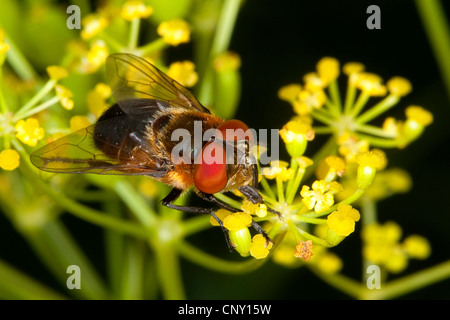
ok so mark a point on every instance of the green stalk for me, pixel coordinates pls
(18, 62)
(15, 284)
(169, 273)
(433, 18)
(134, 33)
(133, 272)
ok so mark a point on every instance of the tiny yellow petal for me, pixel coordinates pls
(237, 221)
(79, 122)
(135, 9)
(328, 69)
(259, 248)
(184, 73)
(9, 159)
(57, 72)
(399, 86)
(419, 114)
(174, 31)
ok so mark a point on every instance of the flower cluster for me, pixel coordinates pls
(350, 167)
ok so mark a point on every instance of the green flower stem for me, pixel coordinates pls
(114, 248)
(410, 283)
(322, 116)
(263, 182)
(132, 272)
(373, 130)
(156, 45)
(437, 29)
(349, 98)
(134, 33)
(168, 268)
(340, 282)
(66, 251)
(36, 109)
(368, 216)
(280, 189)
(360, 103)
(228, 200)
(301, 235)
(323, 130)
(75, 208)
(18, 62)
(34, 100)
(113, 43)
(379, 142)
(208, 261)
(3, 106)
(16, 285)
(146, 216)
(220, 43)
(195, 224)
(290, 194)
(378, 109)
(335, 95)
(294, 167)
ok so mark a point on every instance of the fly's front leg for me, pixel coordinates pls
(211, 198)
(175, 194)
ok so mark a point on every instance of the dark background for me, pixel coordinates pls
(280, 41)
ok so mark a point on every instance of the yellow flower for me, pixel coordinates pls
(9, 159)
(391, 127)
(149, 188)
(343, 220)
(237, 221)
(278, 169)
(313, 82)
(329, 263)
(308, 100)
(352, 68)
(64, 96)
(57, 72)
(258, 209)
(93, 24)
(259, 247)
(303, 250)
(183, 72)
(350, 146)
(380, 241)
(96, 99)
(417, 247)
(419, 115)
(227, 61)
(79, 122)
(399, 86)
(135, 9)
(371, 84)
(296, 134)
(29, 132)
(374, 159)
(289, 92)
(4, 47)
(94, 58)
(328, 69)
(330, 167)
(320, 197)
(221, 214)
(175, 31)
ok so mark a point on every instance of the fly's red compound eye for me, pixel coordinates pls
(235, 130)
(210, 174)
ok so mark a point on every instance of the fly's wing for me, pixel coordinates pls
(133, 77)
(78, 153)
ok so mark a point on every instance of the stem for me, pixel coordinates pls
(136, 203)
(378, 142)
(412, 282)
(37, 109)
(208, 261)
(434, 21)
(169, 272)
(378, 109)
(75, 208)
(376, 131)
(349, 98)
(134, 33)
(33, 101)
(334, 93)
(16, 285)
(360, 103)
(18, 62)
(156, 45)
(220, 43)
(280, 189)
(293, 191)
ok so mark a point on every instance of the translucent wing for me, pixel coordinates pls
(133, 77)
(79, 152)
